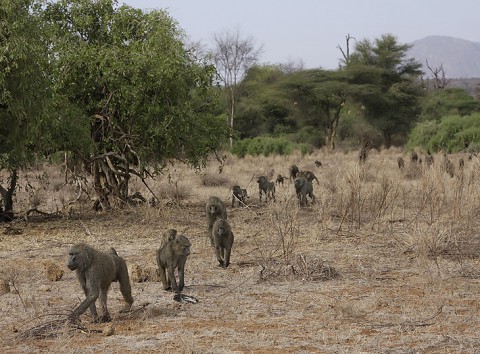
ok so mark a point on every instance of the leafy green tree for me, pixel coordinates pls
(440, 103)
(147, 97)
(387, 84)
(27, 129)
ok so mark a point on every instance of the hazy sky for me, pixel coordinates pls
(310, 30)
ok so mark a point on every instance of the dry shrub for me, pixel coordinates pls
(301, 267)
(214, 180)
(173, 192)
(413, 171)
(52, 271)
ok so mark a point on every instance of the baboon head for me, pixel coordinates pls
(181, 245)
(78, 257)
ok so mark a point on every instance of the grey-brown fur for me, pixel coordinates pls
(239, 195)
(167, 236)
(215, 209)
(309, 175)
(266, 187)
(304, 187)
(222, 240)
(401, 163)
(171, 256)
(95, 271)
(280, 180)
(293, 171)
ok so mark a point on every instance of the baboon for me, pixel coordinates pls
(318, 163)
(215, 209)
(171, 256)
(293, 172)
(96, 270)
(400, 163)
(280, 179)
(448, 166)
(461, 163)
(414, 157)
(303, 187)
(266, 187)
(222, 240)
(240, 195)
(167, 236)
(429, 160)
(309, 175)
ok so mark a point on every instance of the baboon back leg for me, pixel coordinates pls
(171, 277)
(125, 287)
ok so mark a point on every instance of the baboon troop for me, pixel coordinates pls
(400, 163)
(280, 180)
(95, 271)
(222, 238)
(304, 187)
(240, 195)
(293, 172)
(215, 209)
(171, 256)
(266, 187)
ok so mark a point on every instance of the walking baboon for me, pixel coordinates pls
(429, 160)
(309, 175)
(240, 195)
(96, 270)
(266, 187)
(171, 256)
(168, 235)
(293, 172)
(448, 166)
(222, 240)
(280, 179)
(215, 209)
(318, 163)
(400, 163)
(303, 187)
(414, 157)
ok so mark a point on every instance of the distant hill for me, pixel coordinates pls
(460, 58)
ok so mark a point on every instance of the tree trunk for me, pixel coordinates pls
(7, 196)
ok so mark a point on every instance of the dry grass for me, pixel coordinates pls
(385, 261)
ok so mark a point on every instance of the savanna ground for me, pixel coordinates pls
(385, 261)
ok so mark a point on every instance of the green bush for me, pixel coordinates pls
(264, 146)
(452, 134)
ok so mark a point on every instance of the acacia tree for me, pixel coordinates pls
(26, 130)
(233, 57)
(146, 96)
(388, 84)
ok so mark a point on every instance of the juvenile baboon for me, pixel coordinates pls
(167, 236)
(400, 163)
(266, 187)
(222, 240)
(293, 172)
(303, 187)
(309, 175)
(215, 209)
(96, 270)
(280, 179)
(171, 256)
(318, 163)
(239, 194)
(461, 163)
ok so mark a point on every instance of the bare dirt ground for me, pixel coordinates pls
(354, 272)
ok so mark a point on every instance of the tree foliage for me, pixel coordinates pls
(147, 97)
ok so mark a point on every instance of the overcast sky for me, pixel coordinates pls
(310, 30)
